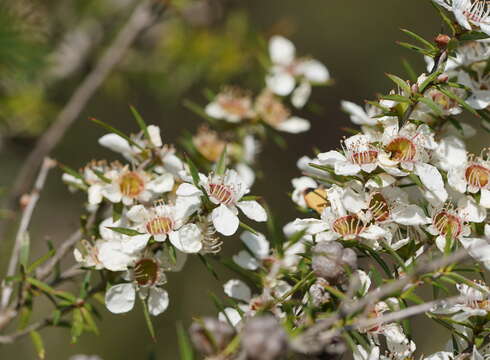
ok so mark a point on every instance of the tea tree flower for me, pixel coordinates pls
(287, 70)
(275, 114)
(147, 278)
(468, 13)
(232, 105)
(226, 191)
(472, 176)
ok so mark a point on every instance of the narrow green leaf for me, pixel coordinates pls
(248, 228)
(398, 98)
(124, 231)
(89, 320)
(473, 35)
(77, 325)
(41, 261)
(38, 344)
(196, 109)
(420, 39)
(117, 210)
(221, 165)
(194, 172)
(402, 84)
(208, 265)
(432, 105)
(416, 48)
(185, 347)
(409, 69)
(141, 123)
(445, 18)
(115, 131)
(49, 290)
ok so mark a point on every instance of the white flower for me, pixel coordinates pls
(120, 299)
(273, 112)
(452, 224)
(479, 247)
(88, 255)
(146, 278)
(258, 249)
(469, 12)
(360, 116)
(480, 89)
(117, 251)
(358, 155)
(472, 176)
(232, 105)
(164, 220)
(287, 70)
(307, 194)
(226, 191)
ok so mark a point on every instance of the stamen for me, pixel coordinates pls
(348, 226)
(402, 149)
(364, 157)
(448, 224)
(131, 184)
(477, 175)
(222, 193)
(379, 207)
(146, 272)
(160, 225)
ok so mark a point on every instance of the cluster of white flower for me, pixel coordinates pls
(157, 196)
(403, 188)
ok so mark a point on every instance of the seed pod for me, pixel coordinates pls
(330, 259)
(263, 338)
(210, 336)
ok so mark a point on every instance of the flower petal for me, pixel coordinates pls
(281, 50)
(187, 239)
(120, 298)
(158, 301)
(224, 220)
(237, 289)
(253, 210)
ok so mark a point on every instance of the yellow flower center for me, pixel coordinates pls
(477, 175)
(379, 207)
(131, 184)
(348, 226)
(316, 199)
(160, 225)
(447, 224)
(221, 193)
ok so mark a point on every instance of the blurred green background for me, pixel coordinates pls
(213, 44)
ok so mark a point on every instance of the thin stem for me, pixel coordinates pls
(23, 227)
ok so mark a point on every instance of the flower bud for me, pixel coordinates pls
(330, 259)
(442, 78)
(442, 40)
(210, 336)
(263, 338)
(319, 295)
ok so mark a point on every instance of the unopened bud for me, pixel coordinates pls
(442, 41)
(415, 88)
(319, 294)
(263, 338)
(210, 336)
(442, 78)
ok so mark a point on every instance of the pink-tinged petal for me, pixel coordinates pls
(224, 220)
(461, 18)
(410, 215)
(253, 210)
(120, 298)
(158, 301)
(281, 50)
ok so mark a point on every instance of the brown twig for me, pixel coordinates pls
(143, 16)
(23, 227)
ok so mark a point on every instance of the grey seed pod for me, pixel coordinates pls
(319, 295)
(210, 335)
(263, 338)
(330, 260)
